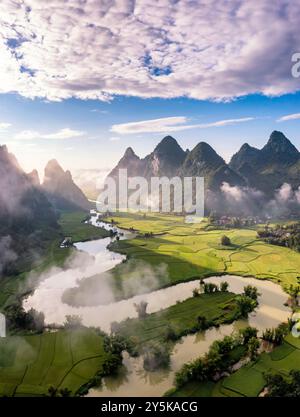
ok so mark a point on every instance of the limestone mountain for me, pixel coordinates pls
(268, 168)
(246, 155)
(264, 169)
(27, 219)
(61, 190)
(34, 177)
(169, 159)
(279, 150)
(205, 162)
(129, 161)
(165, 159)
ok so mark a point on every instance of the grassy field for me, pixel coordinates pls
(189, 251)
(29, 365)
(182, 317)
(249, 380)
(72, 225)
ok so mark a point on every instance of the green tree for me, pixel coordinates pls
(65, 392)
(251, 291)
(245, 305)
(281, 386)
(52, 391)
(156, 355)
(247, 333)
(209, 288)
(73, 322)
(225, 241)
(202, 323)
(253, 346)
(141, 309)
(170, 333)
(196, 292)
(224, 286)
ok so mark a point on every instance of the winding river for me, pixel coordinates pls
(132, 379)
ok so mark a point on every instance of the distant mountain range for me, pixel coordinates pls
(264, 169)
(29, 210)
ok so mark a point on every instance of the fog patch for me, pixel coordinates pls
(286, 202)
(247, 201)
(141, 278)
(7, 254)
(235, 200)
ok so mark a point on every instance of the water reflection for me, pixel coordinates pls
(132, 379)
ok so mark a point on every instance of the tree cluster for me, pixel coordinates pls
(221, 355)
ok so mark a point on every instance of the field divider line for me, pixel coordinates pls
(70, 347)
(21, 382)
(293, 346)
(75, 364)
(36, 360)
(52, 360)
(233, 390)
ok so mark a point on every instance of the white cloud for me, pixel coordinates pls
(4, 125)
(114, 138)
(27, 134)
(203, 49)
(65, 133)
(293, 116)
(170, 124)
(99, 111)
(164, 124)
(227, 122)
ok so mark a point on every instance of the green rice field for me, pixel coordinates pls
(29, 365)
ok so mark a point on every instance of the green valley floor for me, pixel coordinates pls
(188, 251)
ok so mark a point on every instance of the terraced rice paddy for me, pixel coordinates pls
(190, 251)
(29, 365)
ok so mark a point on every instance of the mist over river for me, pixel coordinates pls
(132, 379)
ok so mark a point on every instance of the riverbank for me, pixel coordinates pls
(186, 252)
(14, 288)
(249, 380)
(185, 317)
(74, 224)
(131, 377)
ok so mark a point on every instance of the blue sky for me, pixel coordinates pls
(82, 81)
(98, 147)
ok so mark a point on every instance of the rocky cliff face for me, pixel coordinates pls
(34, 177)
(61, 190)
(268, 168)
(203, 161)
(164, 160)
(169, 159)
(129, 161)
(27, 219)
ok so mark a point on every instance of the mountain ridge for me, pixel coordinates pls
(265, 169)
(277, 162)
